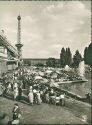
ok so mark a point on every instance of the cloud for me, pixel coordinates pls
(46, 28)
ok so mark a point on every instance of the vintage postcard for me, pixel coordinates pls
(45, 62)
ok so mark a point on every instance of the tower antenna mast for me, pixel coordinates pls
(19, 44)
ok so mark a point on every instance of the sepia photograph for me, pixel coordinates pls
(45, 62)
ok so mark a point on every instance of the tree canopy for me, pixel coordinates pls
(51, 62)
(88, 55)
(77, 58)
(65, 57)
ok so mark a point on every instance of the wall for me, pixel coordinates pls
(34, 61)
(3, 67)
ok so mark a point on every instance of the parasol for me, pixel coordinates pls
(38, 77)
(48, 71)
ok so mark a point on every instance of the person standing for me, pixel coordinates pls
(20, 92)
(47, 97)
(51, 95)
(35, 95)
(31, 96)
(9, 88)
(16, 114)
(16, 93)
(15, 85)
(62, 99)
(39, 101)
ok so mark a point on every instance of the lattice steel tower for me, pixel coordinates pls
(19, 45)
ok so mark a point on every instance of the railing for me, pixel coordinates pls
(8, 45)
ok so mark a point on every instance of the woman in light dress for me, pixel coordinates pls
(15, 85)
(31, 96)
(38, 97)
(9, 88)
(16, 93)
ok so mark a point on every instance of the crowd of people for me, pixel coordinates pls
(35, 84)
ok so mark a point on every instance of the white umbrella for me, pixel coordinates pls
(44, 80)
(53, 84)
(67, 68)
(57, 71)
(48, 71)
(41, 73)
(34, 72)
(54, 75)
(38, 77)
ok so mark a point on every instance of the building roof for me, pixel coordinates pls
(36, 59)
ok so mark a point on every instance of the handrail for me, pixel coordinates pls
(8, 45)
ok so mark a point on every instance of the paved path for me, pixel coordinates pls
(41, 114)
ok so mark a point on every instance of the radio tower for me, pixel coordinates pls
(19, 45)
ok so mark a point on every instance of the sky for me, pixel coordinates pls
(47, 26)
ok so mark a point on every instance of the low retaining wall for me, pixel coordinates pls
(79, 108)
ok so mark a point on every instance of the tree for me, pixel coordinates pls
(63, 57)
(77, 58)
(85, 54)
(89, 55)
(51, 62)
(68, 56)
(39, 65)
